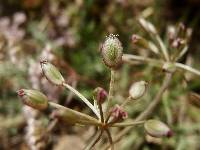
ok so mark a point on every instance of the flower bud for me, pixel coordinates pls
(137, 89)
(33, 98)
(118, 113)
(157, 128)
(149, 27)
(112, 51)
(143, 43)
(100, 94)
(52, 73)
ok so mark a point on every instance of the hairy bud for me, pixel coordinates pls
(52, 73)
(33, 98)
(112, 51)
(100, 94)
(157, 128)
(137, 89)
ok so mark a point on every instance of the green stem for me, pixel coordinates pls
(126, 124)
(111, 92)
(129, 58)
(187, 68)
(85, 100)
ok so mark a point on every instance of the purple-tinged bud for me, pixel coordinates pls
(33, 98)
(157, 128)
(118, 113)
(135, 38)
(52, 73)
(100, 95)
(137, 89)
(112, 51)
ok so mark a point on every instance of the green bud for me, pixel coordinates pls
(137, 89)
(149, 27)
(52, 73)
(33, 98)
(112, 51)
(157, 128)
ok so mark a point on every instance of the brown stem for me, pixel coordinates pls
(96, 139)
(149, 110)
(110, 139)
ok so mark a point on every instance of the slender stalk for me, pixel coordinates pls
(85, 100)
(101, 111)
(126, 124)
(110, 94)
(95, 140)
(149, 110)
(162, 47)
(126, 101)
(129, 58)
(187, 68)
(110, 139)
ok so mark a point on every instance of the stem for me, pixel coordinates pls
(151, 107)
(187, 68)
(126, 101)
(95, 140)
(110, 95)
(162, 47)
(125, 124)
(101, 111)
(110, 139)
(129, 58)
(85, 100)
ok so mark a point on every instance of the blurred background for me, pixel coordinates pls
(68, 33)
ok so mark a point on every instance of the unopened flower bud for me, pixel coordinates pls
(52, 73)
(157, 128)
(143, 43)
(112, 51)
(118, 113)
(100, 95)
(33, 98)
(137, 89)
(149, 27)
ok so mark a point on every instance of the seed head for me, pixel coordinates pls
(33, 98)
(157, 128)
(112, 51)
(137, 89)
(52, 73)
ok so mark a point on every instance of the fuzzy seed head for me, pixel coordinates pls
(137, 89)
(157, 128)
(52, 73)
(33, 98)
(112, 51)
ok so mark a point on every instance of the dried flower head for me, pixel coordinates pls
(157, 128)
(112, 51)
(33, 98)
(137, 89)
(52, 73)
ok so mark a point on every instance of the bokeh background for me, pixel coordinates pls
(69, 33)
